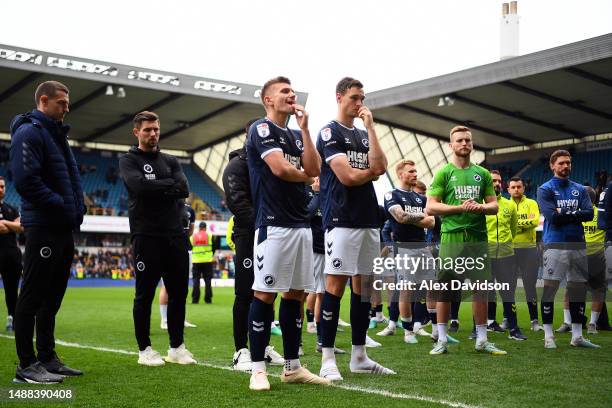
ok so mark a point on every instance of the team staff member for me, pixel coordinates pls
(47, 178)
(156, 188)
(596, 263)
(10, 255)
(525, 249)
(203, 251)
(501, 230)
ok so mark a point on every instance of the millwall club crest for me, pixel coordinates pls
(148, 168)
(326, 134)
(477, 177)
(263, 130)
(418, 200)
(575, 193)
(299, 144)
(388, 196)
(366, 143)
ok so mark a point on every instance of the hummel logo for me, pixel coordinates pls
(258, 326)
(329, 252)
(546, 309)
(260, 258)
(327, 315)
(298, 323)
(329, 244)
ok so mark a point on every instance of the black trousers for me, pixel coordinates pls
(155, 258)
(243, 284)
(202, 270)
(48, 256)
(527, 262)
(10, 271)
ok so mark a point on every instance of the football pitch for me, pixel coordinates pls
(95, 333)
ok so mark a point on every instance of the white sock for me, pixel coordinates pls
(292, 365)
(576, 330)
(359, 358)
(258, 366)
(548, 331)
(481, 333)
(163, 311)
(567, 317)
(358, 352)
(379, 315)
(594, 317)
(442, 331)
(417, 326)
(454, 320)
(489, 321)
(328, 357)
(273, 325)
(392, 325)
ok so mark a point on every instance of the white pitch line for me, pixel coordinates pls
(344, 386)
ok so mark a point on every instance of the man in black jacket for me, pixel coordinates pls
(238, 198)
(10, 254)
(47, 179)
(156, 188)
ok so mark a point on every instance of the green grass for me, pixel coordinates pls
(529, 376)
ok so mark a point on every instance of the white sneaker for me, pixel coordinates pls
(180, 355)
(387, 331)
(330, 372)
(422, 332)
(549, 343)
(311, 328)
(150, 357)
(272, 357)
(370, 342)
(164, 325)
(367, 366)
(342, 323)
(300, 351)
(410, 338)
(535, 326)
(241, 361)
(187, 324)
(259, 381)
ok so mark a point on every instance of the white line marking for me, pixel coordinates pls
(344, 386)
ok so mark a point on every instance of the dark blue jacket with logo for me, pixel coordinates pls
(45, 172)
(574, 206)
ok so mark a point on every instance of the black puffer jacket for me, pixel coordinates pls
(238, 190)
(45, 172)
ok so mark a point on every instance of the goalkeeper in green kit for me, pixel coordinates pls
(462, 194)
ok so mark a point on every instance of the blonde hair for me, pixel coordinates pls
(459, 128)
(401, 164)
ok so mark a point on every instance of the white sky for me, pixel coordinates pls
(383, 43)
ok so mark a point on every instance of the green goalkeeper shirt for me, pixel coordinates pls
(452, 186)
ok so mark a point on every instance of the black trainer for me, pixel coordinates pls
(516, 334)
(36, 374)
(454, 327)
(56, 366)
(495, 327)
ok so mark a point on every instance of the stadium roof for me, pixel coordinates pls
(195, 112)
(559, 93)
